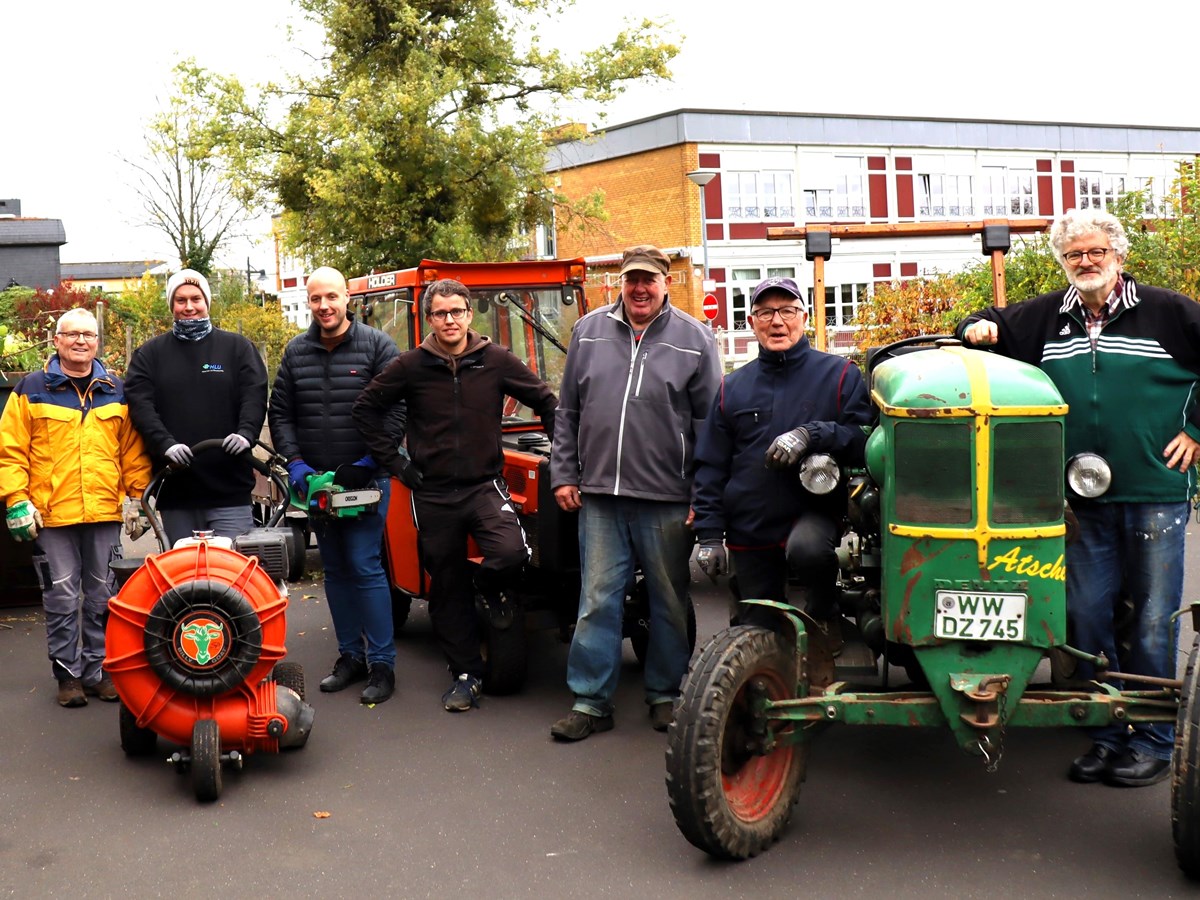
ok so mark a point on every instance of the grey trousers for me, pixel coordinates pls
(72, 562)
(223, 521)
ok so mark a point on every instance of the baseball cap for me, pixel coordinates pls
(776, 283)
(645, 258)
(188, 276)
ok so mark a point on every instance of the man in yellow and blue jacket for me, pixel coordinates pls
(71, 467)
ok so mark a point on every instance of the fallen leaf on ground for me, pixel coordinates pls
(321, 815)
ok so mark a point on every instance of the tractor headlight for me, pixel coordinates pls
(1088, 475)
(820, 473)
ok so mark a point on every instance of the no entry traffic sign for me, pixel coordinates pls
(710, 307)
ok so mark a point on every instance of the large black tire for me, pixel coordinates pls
(401, 607)
(1185, 770)
(729, 801)
(135, 741)
(505, 655)
(206, 760)
(290, 675)
(237, 624)
(297, 549)
(637, 625)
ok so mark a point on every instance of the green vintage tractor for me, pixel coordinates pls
(953, 569)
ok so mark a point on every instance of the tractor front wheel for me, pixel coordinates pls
(729, 797)
(1185, 774)
(206, 760)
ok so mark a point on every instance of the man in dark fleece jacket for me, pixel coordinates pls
(454, 385)
(321, 373)
(768, 415)
(199, 383)
(1126, 358)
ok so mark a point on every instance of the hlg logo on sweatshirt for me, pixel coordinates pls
(210, 368)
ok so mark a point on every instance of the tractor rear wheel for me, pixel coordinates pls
(729, 799)
(1185, 770)
(135, 741)
(206, 760)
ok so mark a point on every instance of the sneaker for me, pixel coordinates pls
(346, 671)
(70, 692)
(660, 716)
(578, 725)
(102, 689)
(499, 609)
(463, 694)
(381, 683)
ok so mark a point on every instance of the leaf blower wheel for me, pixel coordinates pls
(203, 638)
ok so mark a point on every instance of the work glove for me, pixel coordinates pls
(298, 474)
(135, 520)
(179, 455)
(23, 521)
(407, 471)
(367, 462)
(712, 558)
(787, 449)
(235, 444)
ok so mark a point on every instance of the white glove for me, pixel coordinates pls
(235, 444)
(135, 521)
(179, 455)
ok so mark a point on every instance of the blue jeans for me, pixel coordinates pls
(616, 534)
(1140, 544)
(356, 587)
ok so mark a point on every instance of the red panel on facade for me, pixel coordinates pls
(1068, 166)
(877, 188)
(903, 163)
(908, 270)
(905, 205)
(716, 231)
(713, 206)
(876, 163)
(1045, 194)
(289, 282)
(1068, 192)
(747, 231)
(881, 270)
(1043, 165)
(722, 320)
(710, 160)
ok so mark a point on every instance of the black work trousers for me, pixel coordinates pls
(446, 516)
(810, 555)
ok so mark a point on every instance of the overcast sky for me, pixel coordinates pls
(78, 79)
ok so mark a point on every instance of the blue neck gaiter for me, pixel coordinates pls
(192, 329)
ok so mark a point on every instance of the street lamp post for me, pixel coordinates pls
(250, 270)
(701, 177)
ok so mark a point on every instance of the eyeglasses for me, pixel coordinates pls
(73, 336)
(767, 313)
(1096, 254)
(457, 314)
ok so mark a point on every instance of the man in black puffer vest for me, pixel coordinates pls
(321, 373)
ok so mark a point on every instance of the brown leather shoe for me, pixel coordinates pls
(70, 693)
(102, 690)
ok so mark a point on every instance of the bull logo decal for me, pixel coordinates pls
(202, 640)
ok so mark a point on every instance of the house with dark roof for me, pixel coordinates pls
(29, 248)
(112, 277)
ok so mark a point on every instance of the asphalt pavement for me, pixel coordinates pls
(423, 803)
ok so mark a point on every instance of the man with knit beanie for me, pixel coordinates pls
(198, 383)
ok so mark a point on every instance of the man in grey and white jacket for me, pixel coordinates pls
(640, 376)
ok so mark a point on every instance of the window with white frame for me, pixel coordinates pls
(1007, 191)
(839, 194)
(1100, 190)
(944, 196)
(842, 302)
(742, 282)
(765, 194)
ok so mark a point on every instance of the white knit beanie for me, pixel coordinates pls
(188, 276)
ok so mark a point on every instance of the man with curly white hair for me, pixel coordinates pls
(1126, 358)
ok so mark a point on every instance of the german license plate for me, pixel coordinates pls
(966, 615)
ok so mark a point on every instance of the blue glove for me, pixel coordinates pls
(298, 474)
(367, 462)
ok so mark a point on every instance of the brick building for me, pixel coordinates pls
(784, 169)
